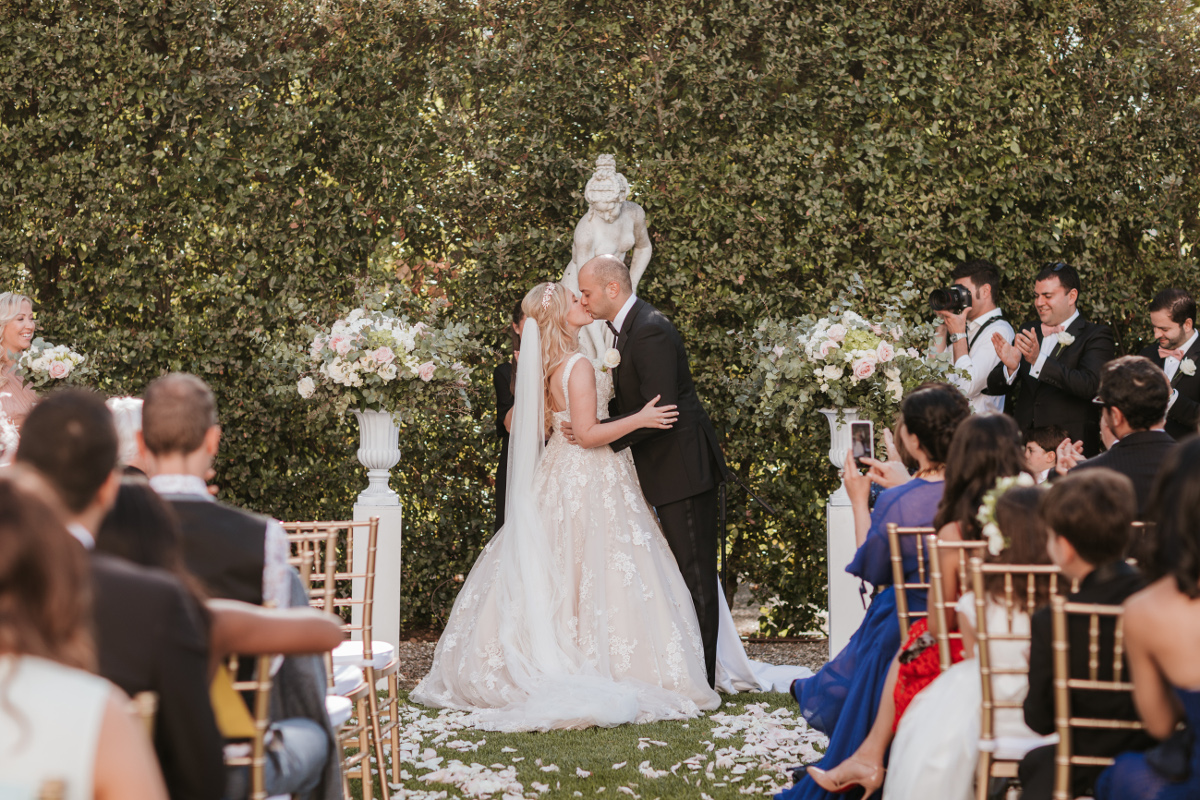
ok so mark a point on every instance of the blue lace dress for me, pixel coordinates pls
(1131, 778)
(842, 699)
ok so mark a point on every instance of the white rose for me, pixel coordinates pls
(837, 332)
(388, 372)
(1187, 367)
(336, 370)
(355, 315)
(827, 346)
(833, 372)
(995, 539)
(1065, 339)
(824, 387)
(612, 358)
(306, 386)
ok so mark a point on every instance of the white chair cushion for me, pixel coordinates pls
(339, 710)
(350, 653)
(346, 680)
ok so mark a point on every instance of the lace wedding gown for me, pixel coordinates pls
(601, 632)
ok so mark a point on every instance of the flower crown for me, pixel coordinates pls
(986, 515)
(546, 295)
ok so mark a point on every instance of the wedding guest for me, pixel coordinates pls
(1162, 637)
(969, 333)
(149, 630)
(936, 746)
(1133, 401)
(1054, 363)
(16, 334)
(58, 722)
(235, 554)
(504, 381)
(127, 416)
(1088, 514)
(1041, 446)
(843, 698)
(984, 449)
(1177, 351)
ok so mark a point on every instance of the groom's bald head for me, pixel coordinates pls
(604, 286)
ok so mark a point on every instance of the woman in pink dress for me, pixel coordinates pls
(16, 334)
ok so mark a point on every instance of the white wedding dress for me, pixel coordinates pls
(575, 613)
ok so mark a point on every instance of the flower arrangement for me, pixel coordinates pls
(842, 360)
(43, 363)
(374, 358)
(986, 515)
(10, 438)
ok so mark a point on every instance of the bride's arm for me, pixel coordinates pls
(589, 432)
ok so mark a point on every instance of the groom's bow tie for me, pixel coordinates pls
(612, 327)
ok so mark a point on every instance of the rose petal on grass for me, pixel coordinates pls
(582, 773)
(619, 764)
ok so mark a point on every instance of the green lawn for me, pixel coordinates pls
(740, 749)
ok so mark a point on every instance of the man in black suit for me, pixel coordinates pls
(1054, 363)
(1088, 515)
(149, 632)
(1133, 401)
(1177, 352)
(680, 468)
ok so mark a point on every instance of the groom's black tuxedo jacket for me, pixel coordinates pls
(685, 460)
(1185, 412)
(1062, 394)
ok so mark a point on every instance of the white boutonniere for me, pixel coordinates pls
(1187, 367)
(1065, 339)
(611, 360)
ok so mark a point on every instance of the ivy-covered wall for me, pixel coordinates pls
(183, 184)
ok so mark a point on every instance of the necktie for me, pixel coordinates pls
(1052, 330)
(1175, 354)
(612, 327)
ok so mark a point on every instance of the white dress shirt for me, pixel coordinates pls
(1048, 345)
(619, 319)
(980, 360)
(275, 545)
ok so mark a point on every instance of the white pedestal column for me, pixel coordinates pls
(379, 451)
(846, 610)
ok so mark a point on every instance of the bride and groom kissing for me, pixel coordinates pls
(590, 607)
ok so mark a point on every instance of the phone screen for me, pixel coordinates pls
(862, 441)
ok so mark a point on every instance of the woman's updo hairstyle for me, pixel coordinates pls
(932, 412)
(548, 304)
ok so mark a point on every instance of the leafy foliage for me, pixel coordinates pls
(187, 185)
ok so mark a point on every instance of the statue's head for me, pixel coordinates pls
(606, 189)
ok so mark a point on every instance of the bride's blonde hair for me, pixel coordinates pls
(547, 304)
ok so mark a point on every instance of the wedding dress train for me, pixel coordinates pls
(575, 613)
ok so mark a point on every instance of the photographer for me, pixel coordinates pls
(970, 317)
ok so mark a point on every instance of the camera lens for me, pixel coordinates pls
(939, 300)
(954, 299)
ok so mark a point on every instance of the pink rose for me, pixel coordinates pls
(836, 332)
(913, 352)
(863, 369)
(317, 344)
(777, 350)
(877, 330)
(827, 346)
(59, 370)
(897, 333)
(340, 343)
(885, 352)
(425, 371)
(383, 355)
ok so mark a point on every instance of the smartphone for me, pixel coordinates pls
(862, 441)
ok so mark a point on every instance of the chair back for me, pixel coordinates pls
(144, 706)
(941, 606)
(1013, 604)
(260, 688)
(1064, 721)
(327, 550)
(1141, 546)
(896, 536)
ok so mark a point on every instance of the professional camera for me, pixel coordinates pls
(954, 299)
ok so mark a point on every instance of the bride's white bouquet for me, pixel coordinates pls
(373, 358)
(843, 360)
(44, 363)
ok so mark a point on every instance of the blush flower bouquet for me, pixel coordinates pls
(44, 363)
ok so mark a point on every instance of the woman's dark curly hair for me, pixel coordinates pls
(1175, 510)
(931, 413)
(985, 447)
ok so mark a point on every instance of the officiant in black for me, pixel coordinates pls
(504, 380)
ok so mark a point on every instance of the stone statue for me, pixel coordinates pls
(612, 225)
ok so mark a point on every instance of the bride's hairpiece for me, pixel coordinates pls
(547, 294)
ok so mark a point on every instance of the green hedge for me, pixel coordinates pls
(184, 184)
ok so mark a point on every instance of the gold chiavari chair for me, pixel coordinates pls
(336, 588)
(991, 765)
(144, 706)
(1141, 545)
(904, 616)
(943, 607)
(1064, 721)
(235, 756)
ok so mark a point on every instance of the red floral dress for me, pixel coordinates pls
(919, 665)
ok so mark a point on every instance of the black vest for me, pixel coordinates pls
(223, 547)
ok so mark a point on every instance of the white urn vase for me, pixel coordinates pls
(839, 444)
(378, 451)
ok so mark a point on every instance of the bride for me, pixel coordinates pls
(575, 613)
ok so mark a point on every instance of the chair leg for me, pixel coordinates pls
(376, 736)
(364, 746)
(394, 719)
(982, 776)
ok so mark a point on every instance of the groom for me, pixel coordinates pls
(679, 469)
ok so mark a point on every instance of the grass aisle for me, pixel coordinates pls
(741, 749)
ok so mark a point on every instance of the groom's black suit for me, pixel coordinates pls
(680, 468)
